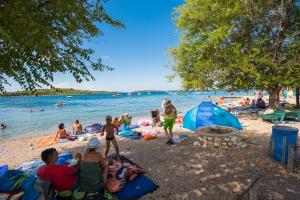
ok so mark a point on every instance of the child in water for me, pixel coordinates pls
(110, 129)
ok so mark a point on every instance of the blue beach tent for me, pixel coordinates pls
(208, 114)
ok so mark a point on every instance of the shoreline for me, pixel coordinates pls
(186, 171)
(49, 132)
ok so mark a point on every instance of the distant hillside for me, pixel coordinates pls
(51, 92)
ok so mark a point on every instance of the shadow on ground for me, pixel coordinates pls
(188, 172)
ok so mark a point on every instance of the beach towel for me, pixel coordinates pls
(44, 141)
(118, 175)
(149, 136)
(178, 139)
(71, 137)
(2, 149)
(133, 126)
(137, 188)
(3, 170)
(31, 167)
(127, 132)
(16, 181)
(94, 128)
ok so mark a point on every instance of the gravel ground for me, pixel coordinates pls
(185, 171)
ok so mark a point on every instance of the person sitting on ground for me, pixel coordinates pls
(170, 116)
(93, 173)
(253, 104)
(261, 104)
(248, 101)
(110, 129)
(77, 128)
(127, 119)
(116, 122)
(62, 177)
(61, 132)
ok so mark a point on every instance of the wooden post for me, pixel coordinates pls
(291, 158)
(253, 189)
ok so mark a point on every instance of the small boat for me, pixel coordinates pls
(116, 95)
(149, 93)
(36, 110)
(69, 97)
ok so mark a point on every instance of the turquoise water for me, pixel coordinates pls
(15, 111)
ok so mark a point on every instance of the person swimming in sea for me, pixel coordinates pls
(110, 130)
(2, 126)
(77, 128)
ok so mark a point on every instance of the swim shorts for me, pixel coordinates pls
(169, 123)
(110, 138)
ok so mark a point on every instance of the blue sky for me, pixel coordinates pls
(138, 52)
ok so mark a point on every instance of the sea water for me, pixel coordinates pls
(15, 111)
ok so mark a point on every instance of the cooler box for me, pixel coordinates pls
(283, 136)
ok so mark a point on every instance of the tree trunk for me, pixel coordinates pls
(274, 98)
(297, 98)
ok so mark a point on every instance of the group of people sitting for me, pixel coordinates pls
(62, 133)
(88, 174)
(255, 104)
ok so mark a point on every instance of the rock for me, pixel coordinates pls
(199, 138)
(233, 139)
(239, 139)
(242, 145)
(224, 144)
(201, 142)
(204, 146)
(217, 139)
(209, 138)
(196, 143)
(229, 144)
(227, 139)
(216, 144)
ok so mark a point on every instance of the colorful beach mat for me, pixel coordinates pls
(128, 181)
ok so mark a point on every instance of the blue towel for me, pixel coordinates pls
(137, 188)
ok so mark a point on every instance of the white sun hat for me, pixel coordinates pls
(93, 143)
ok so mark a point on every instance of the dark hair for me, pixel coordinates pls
(116, 118)
(46, 154)
(61, 126)
(77, 121)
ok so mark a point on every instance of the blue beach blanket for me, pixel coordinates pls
(137, 188)
(127, 132)
(17, 180)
